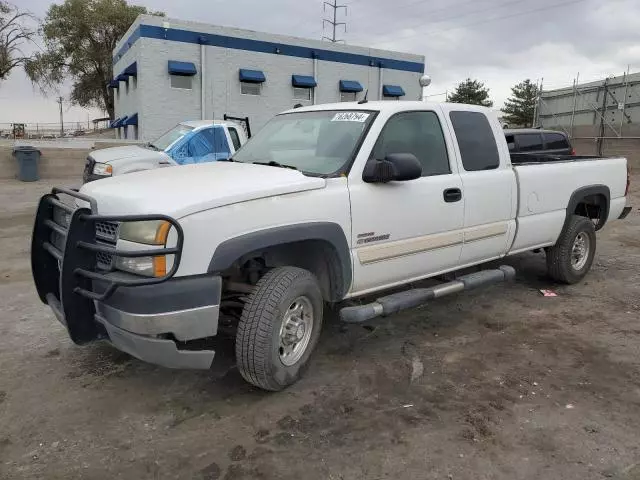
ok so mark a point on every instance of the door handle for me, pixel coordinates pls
(451, 195)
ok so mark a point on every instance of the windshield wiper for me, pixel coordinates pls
(151, 145)
(273, 163)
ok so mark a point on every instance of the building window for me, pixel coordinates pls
(249, 88)
(300, 93)
(348, 96)
(181, 81)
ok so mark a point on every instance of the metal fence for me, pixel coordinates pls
(43, 131)
(608, 108)
(602, 117)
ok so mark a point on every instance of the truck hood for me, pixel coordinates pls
(117, 155)
(188, 189)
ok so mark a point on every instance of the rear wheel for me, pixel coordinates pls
(570, 259)
(279, 328)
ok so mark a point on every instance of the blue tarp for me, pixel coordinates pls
(303, 81)
(204, 145)
(132, 120)
(186, 69)
(350, 86)
(131, 70)
(392, 91)
(253, 76)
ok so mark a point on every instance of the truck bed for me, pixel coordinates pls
(545, 188)
(537, 158)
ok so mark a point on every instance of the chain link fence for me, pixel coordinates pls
(46, 131)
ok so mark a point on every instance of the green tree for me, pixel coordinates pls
(520, 106)
(472, 92)
(15, 32)
(79, 38)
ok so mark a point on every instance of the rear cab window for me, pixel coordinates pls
(556, 141)
(476, 140)
(529, 142)
(235, 138)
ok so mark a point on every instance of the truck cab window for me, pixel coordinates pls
(556, 141)
(476, 141)
(235, 138)
(418, 133)
(529, 142)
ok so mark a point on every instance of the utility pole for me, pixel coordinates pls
(61, 117)
(334, 23)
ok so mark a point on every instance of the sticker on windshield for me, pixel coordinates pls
(350, 117)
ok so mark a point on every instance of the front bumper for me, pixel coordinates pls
(152, 319)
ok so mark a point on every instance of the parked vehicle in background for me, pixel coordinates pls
(325, 204)
(197, 141)
(536, 141)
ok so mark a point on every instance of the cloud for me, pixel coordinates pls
(500, 42)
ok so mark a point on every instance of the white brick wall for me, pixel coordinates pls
(159, 106)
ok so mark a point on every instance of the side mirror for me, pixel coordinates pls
(397, 167)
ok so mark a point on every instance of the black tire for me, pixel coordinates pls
(258, 339)
(559, 257)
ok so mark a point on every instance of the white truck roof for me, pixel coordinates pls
(390, 106)
(204, 123)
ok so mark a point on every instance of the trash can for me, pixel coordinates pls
(28, 158)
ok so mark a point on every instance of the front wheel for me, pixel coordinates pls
(279, 328)
(570, 259)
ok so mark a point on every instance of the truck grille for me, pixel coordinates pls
(107, 231)
(73, 267)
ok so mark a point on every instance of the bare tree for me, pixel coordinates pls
(15, 32)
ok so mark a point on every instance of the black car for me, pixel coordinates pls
(533, 140)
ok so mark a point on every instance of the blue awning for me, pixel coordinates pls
(392, 91)
(122, 78)
(132, 120)
(131, 70)
(253, 76)
(303, 81)
(186, 69)
(120, 122)
(113, 84)
(114, 123)
(350, 86)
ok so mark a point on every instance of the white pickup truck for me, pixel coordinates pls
(326, 203)
(189, 142)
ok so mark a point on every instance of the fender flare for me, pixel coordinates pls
(581, 193)
(232, 249)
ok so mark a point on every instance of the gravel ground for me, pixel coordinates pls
(498, 383)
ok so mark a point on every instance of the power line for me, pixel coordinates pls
(334, 23)
(488, 20)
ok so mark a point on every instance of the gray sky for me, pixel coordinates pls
(499, 42)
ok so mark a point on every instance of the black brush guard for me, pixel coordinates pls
(68, 280)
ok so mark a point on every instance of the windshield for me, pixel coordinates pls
(319, 143)
(168, 138)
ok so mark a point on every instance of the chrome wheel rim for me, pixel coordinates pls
(295, 331)
(580, 251)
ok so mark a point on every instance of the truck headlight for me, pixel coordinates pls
(149, 232)
(102, 169)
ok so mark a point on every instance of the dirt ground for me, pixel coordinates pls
(501, 383)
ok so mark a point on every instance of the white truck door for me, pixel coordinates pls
(489, 185)
(411, 229)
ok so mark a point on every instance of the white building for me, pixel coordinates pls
(167, 71)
